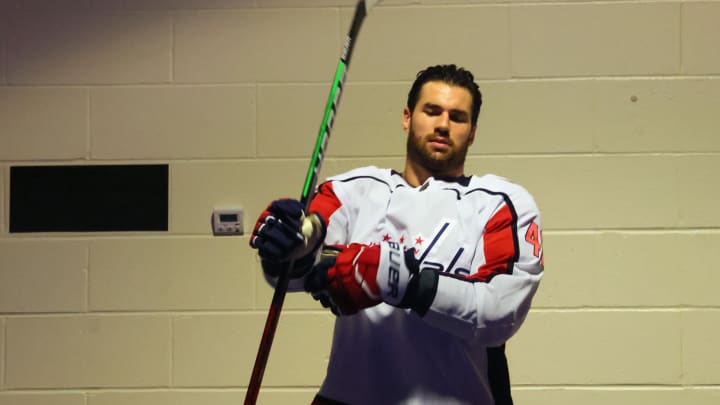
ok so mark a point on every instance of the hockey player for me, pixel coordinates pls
(430, 271)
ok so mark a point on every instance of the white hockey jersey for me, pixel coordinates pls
(483, 236)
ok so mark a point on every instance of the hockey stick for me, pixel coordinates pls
(361, 9)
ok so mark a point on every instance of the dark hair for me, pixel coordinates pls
(449, 74)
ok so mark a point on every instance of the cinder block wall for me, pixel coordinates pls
(606, 111)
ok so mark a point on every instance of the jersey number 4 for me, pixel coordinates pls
(534, 237)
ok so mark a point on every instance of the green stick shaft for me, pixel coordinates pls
(308, 189)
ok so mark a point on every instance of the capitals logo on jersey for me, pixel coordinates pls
(432, 253)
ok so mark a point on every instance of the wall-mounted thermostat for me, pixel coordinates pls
(227, 221)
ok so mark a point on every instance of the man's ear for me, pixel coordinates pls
(406, 119)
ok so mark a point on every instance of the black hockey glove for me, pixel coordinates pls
(283, 232)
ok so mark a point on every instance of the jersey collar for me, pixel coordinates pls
(462, 179)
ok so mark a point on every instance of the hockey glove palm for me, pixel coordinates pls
(353, 277)
(282, 233)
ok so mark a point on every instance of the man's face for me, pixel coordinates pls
(439, 128)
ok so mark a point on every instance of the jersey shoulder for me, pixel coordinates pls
(497, 184)
(361, 172)
(368, 177)
(517, 194)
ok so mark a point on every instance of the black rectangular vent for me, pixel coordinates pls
(98, 198)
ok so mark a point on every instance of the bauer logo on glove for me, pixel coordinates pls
(352, 277)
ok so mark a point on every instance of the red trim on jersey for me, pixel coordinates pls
(325, 202)
(499, 245)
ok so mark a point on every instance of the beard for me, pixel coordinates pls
(438, 163)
